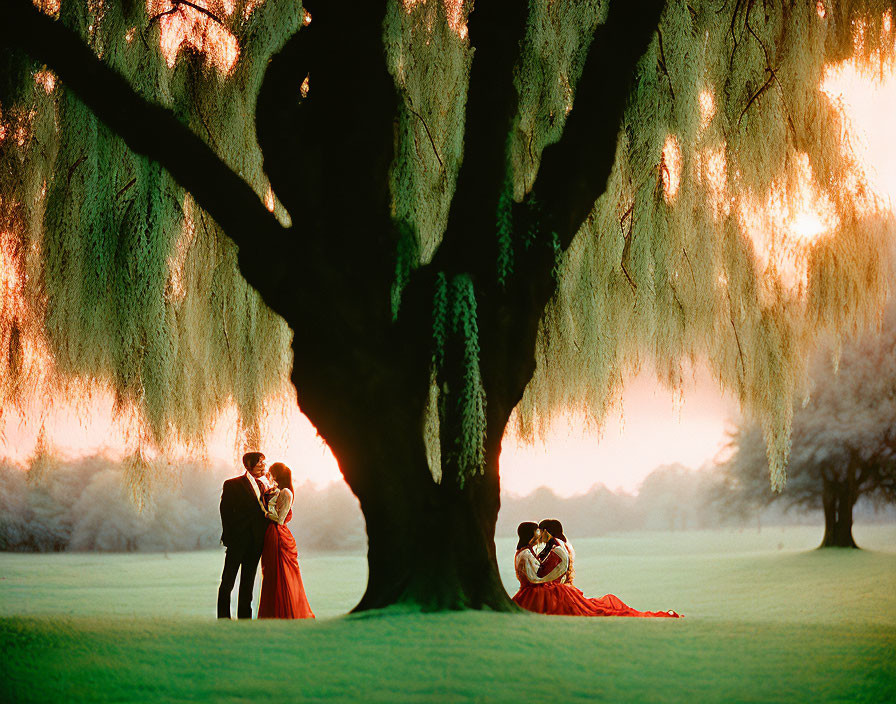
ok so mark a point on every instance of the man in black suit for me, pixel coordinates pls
(243, 522)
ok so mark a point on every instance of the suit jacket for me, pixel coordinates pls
(243, 522)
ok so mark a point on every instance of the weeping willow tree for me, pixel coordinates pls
(479, 208)
(112, 273)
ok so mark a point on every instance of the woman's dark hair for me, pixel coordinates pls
(250, 459)
(525, 531)
(554, 527)
(282, 475)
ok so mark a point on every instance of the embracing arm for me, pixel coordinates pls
(278, 509)
(530, 567)
(554, 565)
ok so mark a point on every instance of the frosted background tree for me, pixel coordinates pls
(844, 437)
(430, 217)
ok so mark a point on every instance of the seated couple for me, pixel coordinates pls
(546, 578)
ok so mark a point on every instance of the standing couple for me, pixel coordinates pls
(546, 577)
(255, 509)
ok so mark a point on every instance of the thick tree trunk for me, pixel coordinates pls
(431, 545)
(439, 558)
(838, 502)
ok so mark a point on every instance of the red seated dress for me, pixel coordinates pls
(546, 589)
(282, 590)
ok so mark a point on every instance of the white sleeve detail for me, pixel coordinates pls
(281, 507)
(560, 569)
(530, 566)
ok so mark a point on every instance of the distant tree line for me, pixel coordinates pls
(673, 498)
(85, 505)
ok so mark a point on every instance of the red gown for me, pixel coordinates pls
(282, 591)
(559, 599)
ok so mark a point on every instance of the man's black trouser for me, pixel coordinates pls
(245, 560)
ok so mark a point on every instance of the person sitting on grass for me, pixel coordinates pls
(546, 584)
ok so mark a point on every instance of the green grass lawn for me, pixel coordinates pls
(768, 619)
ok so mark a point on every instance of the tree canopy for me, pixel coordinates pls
(113, 276)
(458, 209)
(676, 261)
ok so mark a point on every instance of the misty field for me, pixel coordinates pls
(768, 618)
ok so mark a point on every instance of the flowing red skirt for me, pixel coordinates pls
(566, 600)
(282, 591)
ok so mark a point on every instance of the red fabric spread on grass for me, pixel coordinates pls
(282, 590)
(559, 599)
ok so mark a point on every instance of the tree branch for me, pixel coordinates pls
(756, 96)
(574, 171)
(175, 6)
(155, 18)
(573, 175)
(663, 65)
(328, 154)
(774, 75)
(125, 188)
(73, 167)
(496, 30)
(428, 134)
(153, 131)
(278, 123)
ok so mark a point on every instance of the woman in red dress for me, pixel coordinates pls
(282, 591)
(546, 585)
